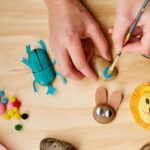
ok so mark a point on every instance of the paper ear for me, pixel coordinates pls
(101, 96)
(115, 99)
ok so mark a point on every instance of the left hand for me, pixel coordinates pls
(126, 13)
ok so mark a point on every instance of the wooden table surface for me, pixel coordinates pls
(68, 114)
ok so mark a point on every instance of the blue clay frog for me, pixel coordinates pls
(42, 67)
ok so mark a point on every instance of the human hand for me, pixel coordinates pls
(71, 24)
(126, 13)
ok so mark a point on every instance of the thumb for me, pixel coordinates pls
(119, 32)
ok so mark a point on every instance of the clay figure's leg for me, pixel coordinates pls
(28, 49)
(26, 62)
(51, 90)
(61, 77)
(42, 44)
(34, 87)
(54, 62)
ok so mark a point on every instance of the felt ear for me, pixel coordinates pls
(28, 48)
(101, 96)
(115, 99)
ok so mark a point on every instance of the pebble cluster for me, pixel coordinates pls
(10, 108)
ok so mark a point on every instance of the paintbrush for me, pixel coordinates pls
(127, 37)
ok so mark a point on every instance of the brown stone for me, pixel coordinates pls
(53, 144)
(104, 113)
(146, 147)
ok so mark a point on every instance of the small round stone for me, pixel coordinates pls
(18, 127)
(2, 108)
(6, 116)
(12, 99)
(25, 116)
(1, 93)
(4, 100)
(17, 116)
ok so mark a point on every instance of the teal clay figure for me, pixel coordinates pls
(42, 67)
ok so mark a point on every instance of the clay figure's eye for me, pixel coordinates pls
(100, 111)
(108, 113)
(42, 82)
(147, 101)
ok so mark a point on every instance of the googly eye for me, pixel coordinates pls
(147, 101)
(100, 111)
(108, 113)
(42, 82)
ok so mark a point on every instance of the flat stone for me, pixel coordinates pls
(53, 144)
(146, 147)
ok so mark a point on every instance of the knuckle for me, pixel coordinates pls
(80, 65)
(94, 27)
(67, 72)
(69, 37)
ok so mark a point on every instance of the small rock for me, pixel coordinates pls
(53, 144)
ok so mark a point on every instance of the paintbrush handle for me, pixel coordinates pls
(133, 25)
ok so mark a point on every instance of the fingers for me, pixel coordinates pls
(96, 35)
(78, 58)
(65, 64)
(120, 30)
(137, 31)
(140, 47)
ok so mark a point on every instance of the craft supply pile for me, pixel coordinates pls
(10, 109)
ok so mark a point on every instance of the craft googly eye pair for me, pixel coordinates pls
(106, 108)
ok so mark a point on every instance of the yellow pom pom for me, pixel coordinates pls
(17, 116)
(12, 99)
(6, 116)
(15, 109)
(10, 112)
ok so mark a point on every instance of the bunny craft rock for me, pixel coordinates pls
(105, 109)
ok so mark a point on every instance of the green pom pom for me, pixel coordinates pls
(18, 127)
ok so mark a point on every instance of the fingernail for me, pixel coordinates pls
(108, 57)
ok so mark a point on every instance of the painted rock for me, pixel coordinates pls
(53, 144)
(99, 65)
(146, 147)
(104, 113)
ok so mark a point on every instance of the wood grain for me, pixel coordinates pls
(68, 114)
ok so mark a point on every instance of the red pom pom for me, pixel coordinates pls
(16, 103)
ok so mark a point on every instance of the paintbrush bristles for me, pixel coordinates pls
(111, 68)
